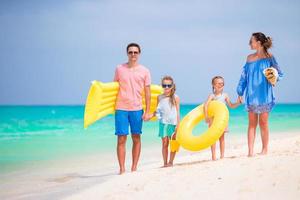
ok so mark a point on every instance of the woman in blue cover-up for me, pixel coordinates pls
(259, 98)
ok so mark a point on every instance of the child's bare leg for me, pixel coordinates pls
(165, 145)
(172, 156)
(253, 118)
(222, 145)
(264, 131)
(213, 152)
(213, 147)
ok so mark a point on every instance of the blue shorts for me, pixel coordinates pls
(124, 119)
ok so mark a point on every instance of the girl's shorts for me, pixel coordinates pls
(166, 130)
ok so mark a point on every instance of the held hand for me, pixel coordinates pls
(174, 136)
(176, 128)
(144, 117)
(240, 99)
(207, 120)
(147, 116)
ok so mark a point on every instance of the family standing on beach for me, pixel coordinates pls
(134, 79)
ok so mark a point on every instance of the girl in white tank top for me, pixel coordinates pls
(167, 113)
(218, 95)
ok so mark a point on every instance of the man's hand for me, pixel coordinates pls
(147, 116)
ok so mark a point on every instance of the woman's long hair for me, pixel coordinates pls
(173, 89)
(266, 42)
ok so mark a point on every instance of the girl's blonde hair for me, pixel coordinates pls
(213, 81)
(173, 89)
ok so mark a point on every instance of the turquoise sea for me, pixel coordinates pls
(30, 134)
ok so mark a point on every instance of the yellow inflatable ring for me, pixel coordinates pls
(102, 97)
(185, 137)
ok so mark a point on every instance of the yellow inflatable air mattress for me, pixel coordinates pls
(101, 100)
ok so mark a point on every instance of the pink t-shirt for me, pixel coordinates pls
(132, 83)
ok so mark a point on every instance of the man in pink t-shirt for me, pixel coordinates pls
(134, 79)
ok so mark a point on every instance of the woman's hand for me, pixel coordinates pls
(240, 99)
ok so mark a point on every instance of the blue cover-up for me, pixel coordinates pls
(259, 95)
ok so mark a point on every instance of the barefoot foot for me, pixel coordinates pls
(263, 153)
(170, 165)
(133, 169)
(122, 171)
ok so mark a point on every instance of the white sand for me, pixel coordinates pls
(195, 176)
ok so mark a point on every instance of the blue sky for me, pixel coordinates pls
(51, 50)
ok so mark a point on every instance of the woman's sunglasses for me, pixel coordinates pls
(167, 85)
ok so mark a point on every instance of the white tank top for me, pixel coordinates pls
(221, 98)
(165, 112)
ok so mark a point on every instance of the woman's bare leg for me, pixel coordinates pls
(253, 118)
(264, 131)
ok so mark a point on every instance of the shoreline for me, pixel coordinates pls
(274, 176)
(72, 179)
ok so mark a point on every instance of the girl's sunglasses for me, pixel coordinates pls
(167, 85)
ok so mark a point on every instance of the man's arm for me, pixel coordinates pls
(146, 115)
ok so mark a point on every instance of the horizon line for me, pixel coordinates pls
(10, 105)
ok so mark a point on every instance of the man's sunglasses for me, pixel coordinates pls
(133, 52)
(167, 85)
